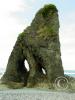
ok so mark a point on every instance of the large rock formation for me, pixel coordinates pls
(39, 45)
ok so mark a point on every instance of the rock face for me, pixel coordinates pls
(39, 45)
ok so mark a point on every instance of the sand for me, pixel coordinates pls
(35, 94)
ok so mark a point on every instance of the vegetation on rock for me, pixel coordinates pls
(39, 45)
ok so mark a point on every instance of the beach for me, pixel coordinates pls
(35, 94)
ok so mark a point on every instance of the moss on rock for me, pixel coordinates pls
(39, 45)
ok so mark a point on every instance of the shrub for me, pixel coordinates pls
(47, 8)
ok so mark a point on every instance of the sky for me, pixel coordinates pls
(16, 15)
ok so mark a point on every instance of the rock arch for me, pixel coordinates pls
(39, 45)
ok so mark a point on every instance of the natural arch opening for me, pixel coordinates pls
(24, 72)
(26, 65)
(44, 71)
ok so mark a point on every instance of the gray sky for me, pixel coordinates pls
(15, 15)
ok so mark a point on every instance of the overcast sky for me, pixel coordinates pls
(16, 15)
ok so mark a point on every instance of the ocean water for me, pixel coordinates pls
(70, 72)
(67, 72)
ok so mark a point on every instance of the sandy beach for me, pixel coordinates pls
(35, 94)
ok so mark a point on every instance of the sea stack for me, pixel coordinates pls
(38, 44)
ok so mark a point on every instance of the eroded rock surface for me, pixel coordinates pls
(39, 45)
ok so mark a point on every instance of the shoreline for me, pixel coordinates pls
(35, 94)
